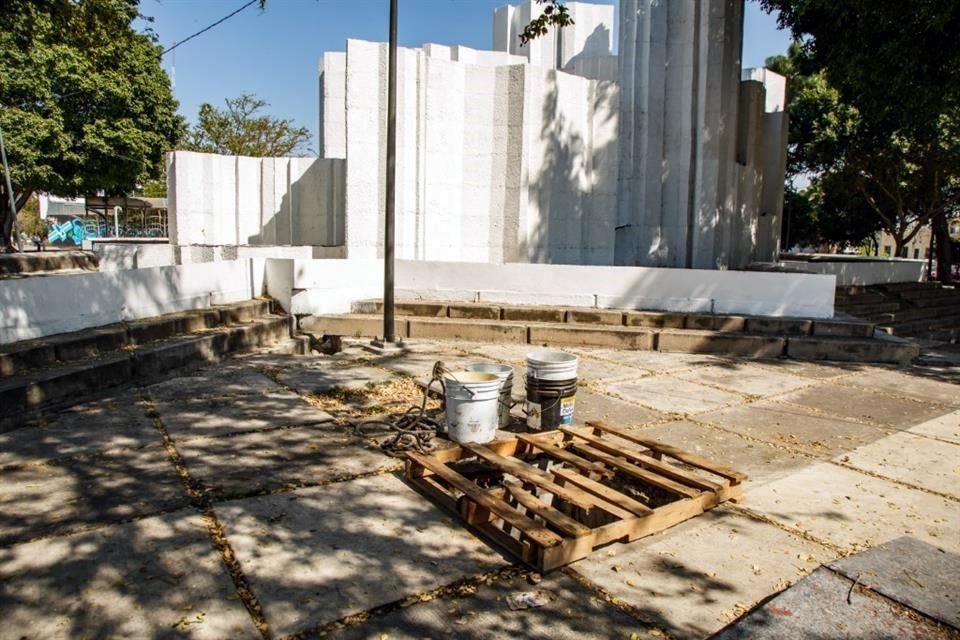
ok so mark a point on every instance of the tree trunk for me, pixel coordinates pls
(7, 244)
(897, 243)
(943, 247)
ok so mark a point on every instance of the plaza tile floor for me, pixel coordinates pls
(236, 501)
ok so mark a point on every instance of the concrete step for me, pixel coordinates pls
(620, 318)
(738, 344)
(65, 384)
(47, 262)
(20, 357)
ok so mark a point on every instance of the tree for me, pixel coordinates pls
(555, 15)
(86, 105)
(240, 130)
(28, 219)
(891, 129)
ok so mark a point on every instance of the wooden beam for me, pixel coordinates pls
(481, 498)
(637, 472)
(561, 521)
(630, 506)
(663, 468)
(691, 459)
(562, 454)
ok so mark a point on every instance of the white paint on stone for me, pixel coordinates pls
(864, 271)
(37, 307)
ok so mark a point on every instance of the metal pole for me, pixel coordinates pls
(13, 204)
(389, 334)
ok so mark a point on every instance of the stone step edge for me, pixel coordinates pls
(77, 382)
(888, 350)
(628, 318)
(20, 358)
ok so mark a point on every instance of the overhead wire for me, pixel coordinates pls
(208, 27)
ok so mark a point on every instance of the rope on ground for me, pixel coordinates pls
(414, 429)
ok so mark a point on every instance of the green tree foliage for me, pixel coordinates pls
(86, 105)
(555, 14)
(242, 130)
(875, 107)
(28, 219)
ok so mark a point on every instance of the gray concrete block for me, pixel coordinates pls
(841, 329)
(622, 338)
(88, 343)
(706, 322)
(349, 325)
(19, 357)
(261, 332)
(158, 359)
(466, 311)
(478, 330)
(532, 314)
(595, 316)
(657, 319)
(142, 332)
(157, 577)
(316, 555)
(730, 344)
(911, 459)
(65, 384)
(244, 311)
(779, 326)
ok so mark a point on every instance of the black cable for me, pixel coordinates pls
(205, 29)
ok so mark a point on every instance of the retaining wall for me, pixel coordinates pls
(42, 306)
(863, 271)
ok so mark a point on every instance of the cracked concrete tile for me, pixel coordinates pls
(156, 577)
(672, 395)
(316, 555)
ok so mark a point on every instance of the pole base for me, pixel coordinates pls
(383, 348)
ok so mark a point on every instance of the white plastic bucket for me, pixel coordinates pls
(504, 373)
(472, 400)
(551, 365)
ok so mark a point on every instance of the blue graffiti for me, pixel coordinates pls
(72, 230)
(76, 230)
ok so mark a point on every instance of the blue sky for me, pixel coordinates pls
(274, 53)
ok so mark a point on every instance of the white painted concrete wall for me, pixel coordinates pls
(496, 162)
(743, 292)
(702, 154)
(305, 287)
(862, 272)
(37, 307)
(130, 255)
(329, 286)
(235, 200)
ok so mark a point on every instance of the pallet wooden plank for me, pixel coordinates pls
(637, 472)
(477, 495)
(663, 468)
(534, 476)
(691, 459)
(565, 456)
(630, 506)
(562, 521)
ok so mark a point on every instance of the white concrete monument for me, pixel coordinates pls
(556, 152)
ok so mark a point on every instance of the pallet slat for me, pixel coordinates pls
(691, 459)
(630, 506)
(533, 504)
(663, 468)
(565, 456)
(637, 472)
(477, 495)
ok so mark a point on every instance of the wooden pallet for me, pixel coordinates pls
(551, 498)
